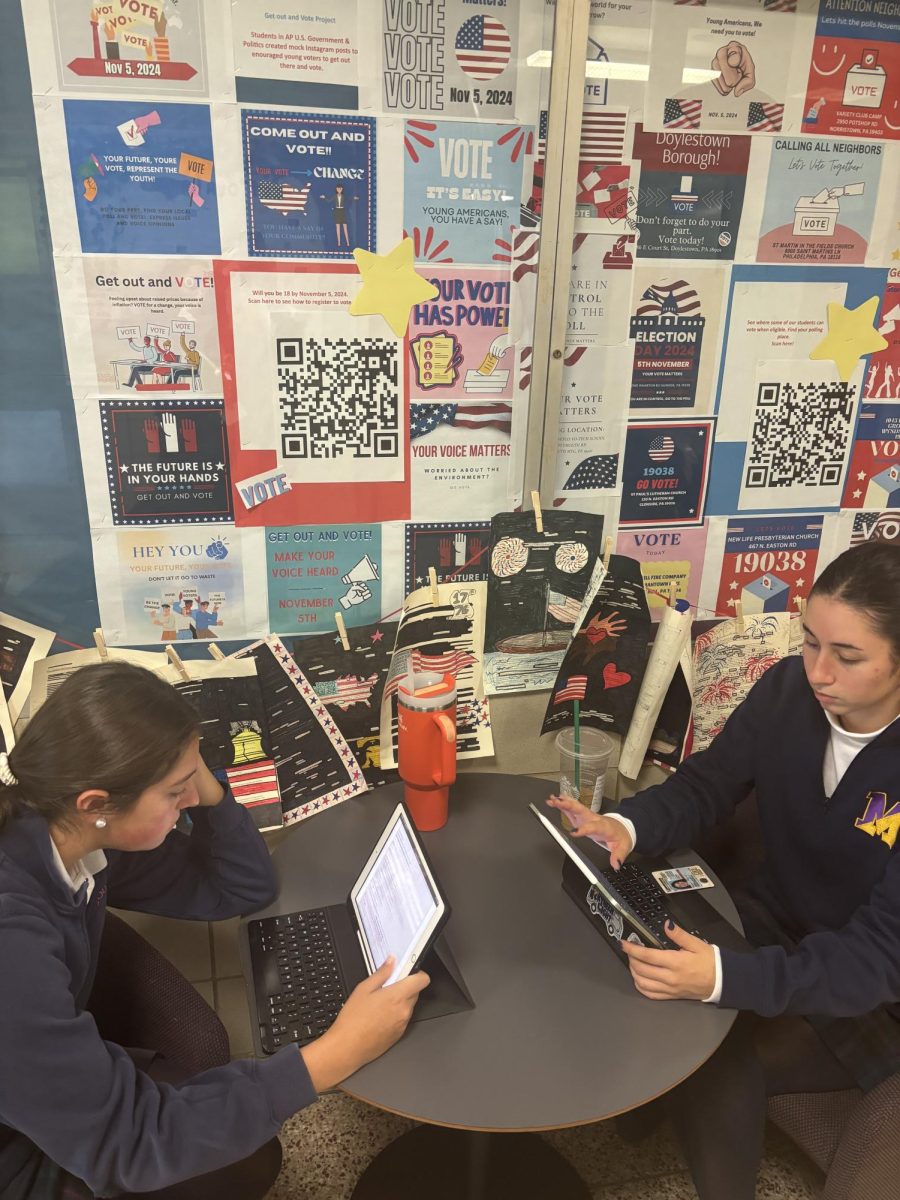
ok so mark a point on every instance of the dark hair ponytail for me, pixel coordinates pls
(867, 577)
(112, 726)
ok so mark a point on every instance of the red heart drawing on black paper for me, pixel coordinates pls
(613, 678)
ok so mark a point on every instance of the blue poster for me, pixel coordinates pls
(665, 472)
(318, 571)
(461, 188)
(310, 184)
(143, 177)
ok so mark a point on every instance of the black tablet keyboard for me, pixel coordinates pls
(640, 892)
(299, 989)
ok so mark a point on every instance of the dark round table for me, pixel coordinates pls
(558, 1035)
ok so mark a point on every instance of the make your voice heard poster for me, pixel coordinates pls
(143, 177)
(126, 46)
(321, 570)
(461, 189)
(854, 73)
(690, 194)
(310, 184)
(820, 201)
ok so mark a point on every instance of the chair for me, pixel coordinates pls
(140, 1000)
(851, 1136)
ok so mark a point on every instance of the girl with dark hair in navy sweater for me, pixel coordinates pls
(818, 739)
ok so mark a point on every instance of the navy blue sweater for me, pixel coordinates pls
(81, 1099)
(832, 886)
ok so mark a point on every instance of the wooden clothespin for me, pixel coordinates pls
(342, 630)
(215, 652)
(739, 615)
(100, 642)
(538, 515)
(432, 580)
(172, 656)
(673, 588)
(607, 551)
(801, 606)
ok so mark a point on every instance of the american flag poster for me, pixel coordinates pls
(665, 472)
(350, 684)
(449, 58)
(309, 180)
(604, 663)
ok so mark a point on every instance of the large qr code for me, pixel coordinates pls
(800, 434)
(338, 398)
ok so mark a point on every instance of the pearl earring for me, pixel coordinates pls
(100, 822)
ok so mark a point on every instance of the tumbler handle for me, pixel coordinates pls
(448, 748)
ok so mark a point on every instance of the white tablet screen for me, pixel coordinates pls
(395, 902)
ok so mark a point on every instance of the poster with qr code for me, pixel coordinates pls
(873, 477)
(798, 440)
(312, 394)
(310, 184)
(462, 185)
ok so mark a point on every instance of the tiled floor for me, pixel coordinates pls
(328, 1145)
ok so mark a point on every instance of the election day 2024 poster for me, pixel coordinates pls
(310, 184)
(854, 73)
(143, 177)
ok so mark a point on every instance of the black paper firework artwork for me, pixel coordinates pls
(605, 662)
(316, 768)
(536, 584)
(446, 637)
(234, 741)
(350, 684)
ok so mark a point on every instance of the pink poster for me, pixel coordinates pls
(667, 557)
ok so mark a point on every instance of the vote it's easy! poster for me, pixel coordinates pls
(143, 177)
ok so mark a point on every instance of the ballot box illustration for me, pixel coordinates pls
(816, 216)
(864, 82)
(764, 595)
(884, 489)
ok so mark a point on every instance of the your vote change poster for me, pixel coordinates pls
(461, 188)
(318, 571)
(691, 193)
(310, 184)
(143, 177)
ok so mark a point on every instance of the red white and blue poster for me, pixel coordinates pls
(143, 176)
(310, 184)
(873, 474)
(769, 562)
(665, 472)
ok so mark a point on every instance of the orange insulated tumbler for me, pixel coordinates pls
(426, 745)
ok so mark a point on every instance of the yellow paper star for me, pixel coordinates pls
(391, 286)
(895, 255)
(851, 334)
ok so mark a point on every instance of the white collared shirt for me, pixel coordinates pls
(82, 872)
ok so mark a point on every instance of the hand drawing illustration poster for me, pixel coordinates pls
(166, 462)
(116, 46)
(605, 661)
(749, 61)
(458, 550)
(820, 201)
(854, 73)
(873, 473)
(675, 329)
(445, 58)
(304, 55)
(459, 343)
(727, 663)
(666, 472)
(310, 184)
(143, 177)
(334, 423)
(690, 193)
(462, 184)
(153, 325)
(535, 587)
(447, 638)
(350, 684)
(316, 768)
(153, 587)
(318, 571)
(667, 557)
(21, 644)
(768, 563)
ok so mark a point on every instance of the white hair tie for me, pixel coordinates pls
(6, 775)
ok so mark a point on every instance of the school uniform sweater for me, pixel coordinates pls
(831, 873)
(80, 1099)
